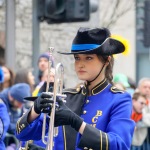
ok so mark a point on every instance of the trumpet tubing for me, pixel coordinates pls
(57, 91)
(51, 49)
(58, 85)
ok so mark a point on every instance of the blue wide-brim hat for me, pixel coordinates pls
(95, 41)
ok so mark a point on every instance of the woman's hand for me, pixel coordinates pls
(43, 103)
(64, 116)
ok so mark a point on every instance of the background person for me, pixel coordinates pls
(144, 88)
(4, 123)
(43, 82)
(43, 61)
(140, 132)
(13, 99)
(122, 81)
(25, 75)
(41, 87)
(9, 77)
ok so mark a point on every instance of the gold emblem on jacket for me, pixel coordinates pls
(95, 118)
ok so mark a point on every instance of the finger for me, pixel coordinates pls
(60, 102)
(46, 111)
(45, 95)
(47, 101)
(58, 98)
(46, 106)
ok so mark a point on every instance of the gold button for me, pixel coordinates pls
(23, 125)
(113, 88)
(90, 149)
(84, 112)
(87, 101)
(85, 148)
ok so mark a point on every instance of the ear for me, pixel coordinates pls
(108, 60)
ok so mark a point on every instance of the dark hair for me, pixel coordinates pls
(22, 77)
(2, 61)
(132, 83)
(40, 74)
(136, 95)
(109, 68)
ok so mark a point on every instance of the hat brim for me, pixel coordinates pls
(109, 47)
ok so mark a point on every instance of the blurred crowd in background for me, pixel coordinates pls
(14, 86)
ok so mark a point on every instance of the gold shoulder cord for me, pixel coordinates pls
(27, 144)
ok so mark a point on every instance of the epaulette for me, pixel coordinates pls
(116, 90)
(74, 90)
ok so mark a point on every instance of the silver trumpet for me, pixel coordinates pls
(58, 86)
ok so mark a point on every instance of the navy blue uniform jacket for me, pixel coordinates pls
(106, 111)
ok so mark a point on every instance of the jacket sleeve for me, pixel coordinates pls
(146, 116)
(4, 120)
(119, 131)
(32, 131)
(4, 123)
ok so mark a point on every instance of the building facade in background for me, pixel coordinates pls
(120, 19)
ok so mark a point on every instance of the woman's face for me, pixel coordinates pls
(139, 104)
(6, 74)
(14, 103)
(51, 76)
(88, 66)
(43, 64)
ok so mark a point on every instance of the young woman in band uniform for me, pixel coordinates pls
(96, 115)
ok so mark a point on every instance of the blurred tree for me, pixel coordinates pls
(111, 11)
